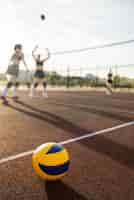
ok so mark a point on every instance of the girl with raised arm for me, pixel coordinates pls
(39, 75)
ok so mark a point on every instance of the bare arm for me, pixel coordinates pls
(48, 56)
(10, 60)
(35, 48)
(24, 62)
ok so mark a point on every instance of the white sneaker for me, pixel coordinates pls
(108, 92)
(45, 95)
(31, 95)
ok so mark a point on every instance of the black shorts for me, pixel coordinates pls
(39, 74)
(110, 81)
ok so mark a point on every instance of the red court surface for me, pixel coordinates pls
(102, 167)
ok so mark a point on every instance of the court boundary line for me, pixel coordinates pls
(68, 141)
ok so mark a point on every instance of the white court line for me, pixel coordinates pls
(88, 135)
(14, 157)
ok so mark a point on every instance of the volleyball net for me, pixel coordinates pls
(85, 67)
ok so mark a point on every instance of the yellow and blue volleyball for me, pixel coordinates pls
(50, 161)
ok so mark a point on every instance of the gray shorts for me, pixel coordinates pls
(13, 70)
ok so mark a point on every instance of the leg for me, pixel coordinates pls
(7, 87)
(109, 88)
(16, 85)
(28, 84)
(33, 87)
(45, 89)
(5, 91)
(10, 81)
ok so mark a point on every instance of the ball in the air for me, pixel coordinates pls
(43, 17)
(51, 161)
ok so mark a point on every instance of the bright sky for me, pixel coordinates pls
(70, 24)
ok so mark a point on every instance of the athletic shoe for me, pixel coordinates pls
(15, 98)
(4, 99)
(31, 95)
(45, 95)
(108, 92)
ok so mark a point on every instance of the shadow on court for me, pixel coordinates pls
(101, 144)
(51, 118)
(97, 112)
(59, 190)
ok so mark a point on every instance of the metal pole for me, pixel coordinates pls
(68, 76)
(80, 76)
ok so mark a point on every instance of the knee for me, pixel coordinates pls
(35, 85)
(44, 84)
(28, 84)
(17, 84)
(9, 84)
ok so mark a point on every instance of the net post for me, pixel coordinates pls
(68, 77)
(80, 77)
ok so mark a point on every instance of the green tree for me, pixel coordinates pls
(53, 78)
(116, 81)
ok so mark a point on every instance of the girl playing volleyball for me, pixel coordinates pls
(13, 71)
(39, 75)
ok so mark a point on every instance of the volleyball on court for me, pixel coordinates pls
(51, 161)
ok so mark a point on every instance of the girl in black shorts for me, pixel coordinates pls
(109, 82)
(39, 75)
